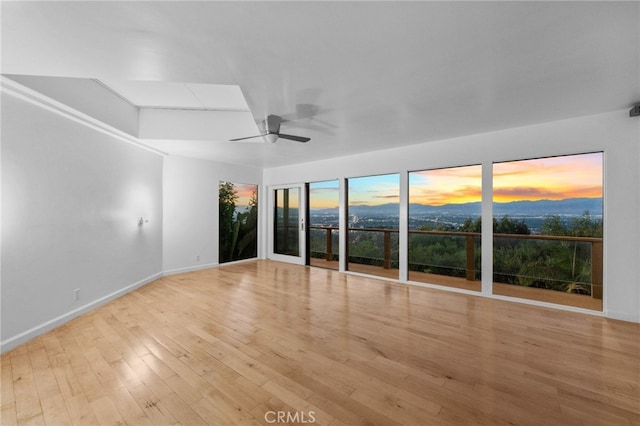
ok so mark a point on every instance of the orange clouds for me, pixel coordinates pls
(244, 193)
(458, 195)
(553, 178)
(454, 185)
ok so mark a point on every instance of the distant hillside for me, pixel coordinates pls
(571, 207)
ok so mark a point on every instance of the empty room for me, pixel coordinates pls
(332, 213)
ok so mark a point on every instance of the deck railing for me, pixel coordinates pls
(470, 248)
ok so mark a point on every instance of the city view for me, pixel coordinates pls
(453, 216)
(547, 224)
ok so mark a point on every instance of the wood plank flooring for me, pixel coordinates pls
(259, 342)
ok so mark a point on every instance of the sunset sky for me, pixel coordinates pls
(292, 193)
(554, 178)
(454, 185)
(374, 190)
(244, 192)
(324, 195)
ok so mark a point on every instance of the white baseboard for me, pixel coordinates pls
(235, 262)
(25, 336)
(205, 266)
(17, 340)
(188, 269)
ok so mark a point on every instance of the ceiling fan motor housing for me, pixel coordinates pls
(271, 133)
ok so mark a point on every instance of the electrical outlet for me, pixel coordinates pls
(76, 294)
(198, 258)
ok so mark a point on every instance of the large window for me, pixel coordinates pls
(323, 221)
(444, 226)
(373, 224)
(238, 221)
(548, 229)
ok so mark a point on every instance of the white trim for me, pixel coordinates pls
(403, 226)
(302, 220)
(189, 269)
(193, 108)
(33, 332)
(374, 277)
(445, 288)
(555, 306)
(285, 258)
(237, 262)
(605, 238)
(343, 239)
(486, 238)
(177, 271)
(26, 94)
(115, 93)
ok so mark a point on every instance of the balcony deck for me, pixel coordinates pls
(561, 298)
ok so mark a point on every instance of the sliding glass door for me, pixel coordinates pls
(288, 242)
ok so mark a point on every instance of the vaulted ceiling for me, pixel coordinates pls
(353, 76)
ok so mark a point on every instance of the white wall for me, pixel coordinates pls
(191, 210)
(72, 195)
(71, 199)
(614, 133)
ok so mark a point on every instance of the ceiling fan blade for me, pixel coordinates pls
(248, 137)
(294, 138)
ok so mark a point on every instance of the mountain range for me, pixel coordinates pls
(570, 207)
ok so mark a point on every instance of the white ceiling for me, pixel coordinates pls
(353, 76)
(164, 94)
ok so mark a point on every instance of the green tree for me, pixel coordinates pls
(582, 226)
(506, 225)
(557, 265)
(227, 198)
(470, 225)
(247, 240)
(586, 226)
(553, 225)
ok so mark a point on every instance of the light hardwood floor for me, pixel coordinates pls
(234, 344)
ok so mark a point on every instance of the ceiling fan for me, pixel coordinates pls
(272, 131)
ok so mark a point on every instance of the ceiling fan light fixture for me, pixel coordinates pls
(271, 137)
